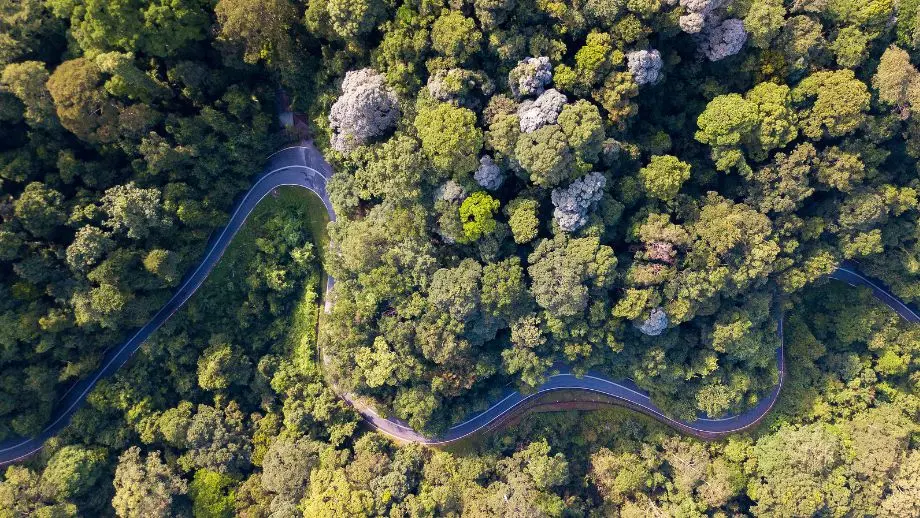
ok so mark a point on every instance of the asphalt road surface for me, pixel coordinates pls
(303, 166)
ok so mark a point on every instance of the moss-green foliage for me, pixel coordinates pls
(730, 190)
(664, 175)
(449, 137)
(212, 495)
(477, 214)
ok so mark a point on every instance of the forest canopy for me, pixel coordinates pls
(640, 188)
(628, 187)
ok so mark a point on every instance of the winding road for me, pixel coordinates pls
(303, 166)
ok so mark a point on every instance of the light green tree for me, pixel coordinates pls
(664, 175)
(477, 212)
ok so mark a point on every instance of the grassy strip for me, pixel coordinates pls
(243, 247)
(300, 339)
(302, 332)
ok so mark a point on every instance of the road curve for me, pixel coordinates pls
(303, 166)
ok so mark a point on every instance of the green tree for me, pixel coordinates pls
(583, 127)
(724, 125)
(145, 486)
(619, 476)
(72, 471)
(545, 154)
(219, 367)
(477, 212)
(850, 46)
(831, 104)
(799, 472)
(896, 79)
(450, 138)
(259, 29)
(664, 175)
(21, 495)
(563, 271)
(213, 494)
(455, 36)
(39, 209)
(82, 105)
(504, 289)
(133, 211)
(287, 466)
(27, 82)
(763, 21)
(523, 219)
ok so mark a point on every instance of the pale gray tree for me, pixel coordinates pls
(545, 110)
(367, 109)
(489, 175)
(655, 324)
(645, 66)
(723, 40)
(575, 201)
(530, 76)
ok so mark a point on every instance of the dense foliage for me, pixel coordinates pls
(629, 187)
(638, 187)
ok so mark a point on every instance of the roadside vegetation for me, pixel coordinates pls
(638, 187)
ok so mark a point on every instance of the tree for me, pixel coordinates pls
(530, 76)
(563, 271)
(39, 209)
(535, 460)
(618, 476)
(573, 202)
(456, 291)
(394, 169)
(455, 36)
(21, 495)
(832, 103)
(164, 264)
(584, 129)
(219, 367)
(546, 156)
(212, 494)
(450, 138)
(27, 82)
(347, 19)
(29, 30)
(664, 175)
(504, 289)
(761, 121)
(458, 86)
(477, 212)
(784, 185)
(89, 246)
(259, 29)
(133, 211)
(850, 46)
(217, 439)
(72, 471)
(724, 124)
(645, 66)
(799, 472)
(82, 105)
(896, 79)
(723, 40)
(523, 220)
(904, 498)
(367, 109)
(763, 21)
(145, 487)
(489, 175)
(129, 81)
(543, 111)
(287, 466)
